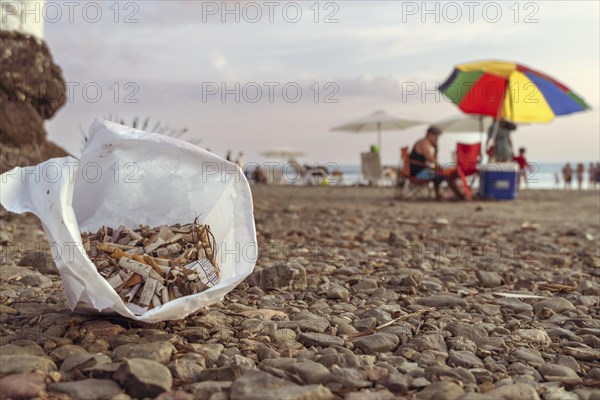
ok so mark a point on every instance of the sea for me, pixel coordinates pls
(541, 176)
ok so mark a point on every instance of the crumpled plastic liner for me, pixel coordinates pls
(130, 177)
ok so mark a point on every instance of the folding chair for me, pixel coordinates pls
(408, 187)
(467, 163)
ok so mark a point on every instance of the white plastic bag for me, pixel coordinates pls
(130, 177)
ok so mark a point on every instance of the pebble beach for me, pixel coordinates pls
(355, 296)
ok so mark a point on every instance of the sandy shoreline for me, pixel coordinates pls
(558, 205)
(355, 295)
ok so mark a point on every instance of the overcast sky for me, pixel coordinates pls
(170, 60)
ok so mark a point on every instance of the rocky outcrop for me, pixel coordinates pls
(32, 89)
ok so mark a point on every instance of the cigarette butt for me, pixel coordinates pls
(201, 287)
(131, 265)
(132, 292)
(192, 277)
(187, 255)
(93, 251)
(182, 229)
(138, 258)
(134, 280)
(191, 254)
(148, 292)
(159, 288)
(150, 261)
(187, 288)
(163, 262)
(107, 272)
(153, 246)
(115, 281)
(165, 233)
(175, 238)
(156, 301)
(125, 275)
(183, 287)
(201, 252)
(135, 250)
(117, 254)
(105, 247)
(133, 235)
(176, 292)
(206, 243)
(165, 295)
(168, 251)
(179, 261)
(117, 233)
(174, 248)
(110, 247)
(165, 269)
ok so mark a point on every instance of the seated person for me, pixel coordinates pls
(259, 176)
(424, 165)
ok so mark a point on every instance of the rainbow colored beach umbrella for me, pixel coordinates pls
(510, 91)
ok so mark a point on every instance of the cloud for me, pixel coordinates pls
(219, 62)
(370, 55)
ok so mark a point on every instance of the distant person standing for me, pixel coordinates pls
(598, 174)
(239, 160)
(500, 147)
(592, 172)
(228, 156)
(556, 180)
(523, 167)
(579, 174)
(567, 173)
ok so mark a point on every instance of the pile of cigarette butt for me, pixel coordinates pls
(149, 267)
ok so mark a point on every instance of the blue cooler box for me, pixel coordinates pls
(498, 181)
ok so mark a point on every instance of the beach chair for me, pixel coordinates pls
(408, 187)
(467, 163)
(316, 175)
(275, 176)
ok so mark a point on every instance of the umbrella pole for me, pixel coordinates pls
(482, 140)
(498, 115)
(379, 136)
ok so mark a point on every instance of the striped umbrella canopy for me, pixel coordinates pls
(511, 91)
